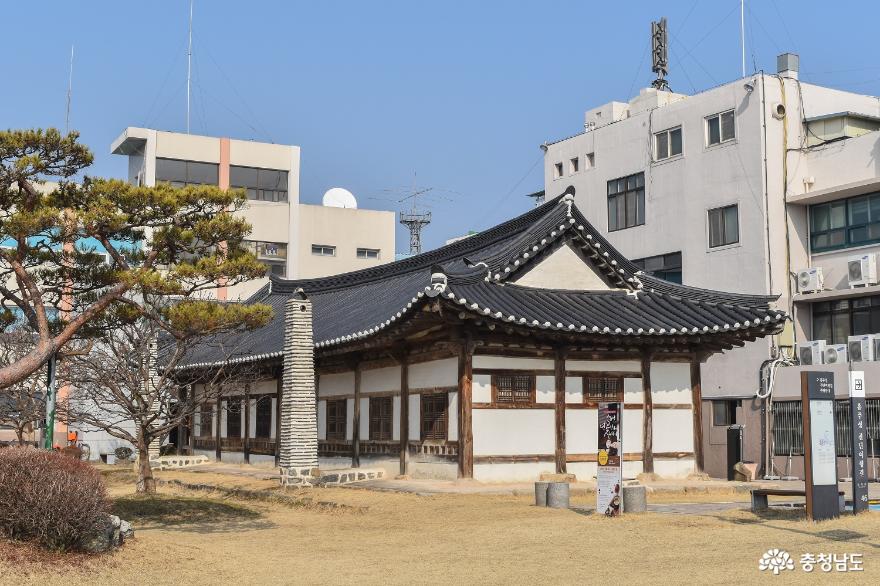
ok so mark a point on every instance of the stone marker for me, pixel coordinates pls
(558, 495)
(541, 494)
(635, 499)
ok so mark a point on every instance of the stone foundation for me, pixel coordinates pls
(314, 477)
(299, 476)
(167, 462)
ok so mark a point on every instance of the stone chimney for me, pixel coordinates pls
(299, 426)
(788, 64)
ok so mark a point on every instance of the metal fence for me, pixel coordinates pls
(788, 433)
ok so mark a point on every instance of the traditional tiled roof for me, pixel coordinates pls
(477, 275)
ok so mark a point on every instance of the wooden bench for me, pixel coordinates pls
(759, 496)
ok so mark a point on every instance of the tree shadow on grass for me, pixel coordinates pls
(196, 514)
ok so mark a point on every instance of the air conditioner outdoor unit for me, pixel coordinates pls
(862, 348)
(811, 352)
(810, 280)
(835, 354)
(862, 270)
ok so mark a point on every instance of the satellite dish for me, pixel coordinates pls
(337, 197)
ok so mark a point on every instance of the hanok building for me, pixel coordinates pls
(485, 358)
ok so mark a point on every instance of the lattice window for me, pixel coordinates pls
(264, 417)
(435, 418)
(233, 418)
(336, 419)
(206, 421)
(602, 389)
(788, 430)
(514, 388)
(381, 409)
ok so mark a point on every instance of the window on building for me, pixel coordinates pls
(381, 411)
(264, 417)
(724, 226)
(233, 418)
(589, 161)
(368, 253)
(667, 144)
(557, 170)
(206, 420)
(724, 412)
(182, 173)
(260, 184)
(720, 128)
(435, 419)
(323, 250)
(271, 254)
(513, 388)
(662, 266)
(336, 419)
(603, 389)
(845, 223)
(573, 165)
(839, 126)
(626, 202)
(788, 429)
(834, 321)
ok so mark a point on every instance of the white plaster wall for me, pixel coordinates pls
(633, 469)
(632, 391)
(632, 431)
(365, 418)
(518, 472)
(603, 365)
(349, 419)
(274, 417)
(673, 430)
(511, 363)
(545, 389)
(582, 431)
(674, 468)
(574, 389)
(453, 417)
(514, 431)
(671, 382)
(223, 414)
(435, 373)
(336, 384)
(415, 417)
(264, 387)
(252, 429)
(563, 269)
(322, 420)
(481, 388)
(583, 470)
(380, 379)
(395, 418)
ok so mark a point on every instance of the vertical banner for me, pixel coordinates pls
(858, 429)
(609, 473)
(820, 451)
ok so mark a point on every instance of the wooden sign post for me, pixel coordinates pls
(820, 451)
(858, 431)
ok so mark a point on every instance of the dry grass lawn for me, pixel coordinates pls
(185, 537)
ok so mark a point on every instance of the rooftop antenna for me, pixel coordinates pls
(189, 54)
(69, 94)
(415, 219)
(660, 54)
(539, 197)
(742, 33)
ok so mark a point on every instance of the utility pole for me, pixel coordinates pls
(49, 435)
(189, 54)
(742, 33)
(69, 94)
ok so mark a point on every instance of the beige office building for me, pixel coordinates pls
(294, 240)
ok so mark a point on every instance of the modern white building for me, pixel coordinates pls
(738, 188)
(294, 240)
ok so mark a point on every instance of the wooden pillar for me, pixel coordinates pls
(356, 420)
(247, 424)
(465, 423)
(218, 417)
(697, 400)
(278, 386)
(404, 415)
(559, 375)
(647, 415)
(181, 423)
(191, 432)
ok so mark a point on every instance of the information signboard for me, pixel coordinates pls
(859, 431)
(820, 451)
(609, 473)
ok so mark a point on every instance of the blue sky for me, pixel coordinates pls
(456, 94)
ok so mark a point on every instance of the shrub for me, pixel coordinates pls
(57, 501)
(123, 453)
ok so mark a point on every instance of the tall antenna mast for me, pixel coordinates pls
(415, 219)
(660, 54)
(189, 54)
(742, 33)
(69, 94)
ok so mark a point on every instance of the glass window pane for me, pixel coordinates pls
(857, 235)
(858, 210)
(631, 182)
(727, 126)
(838, 214)
(621, 211)
(837, 238)
(612, 213)
(819, 241)
(875, 207)
(171, 170)
(861, 322)
(715, 227)
(243, 176)
(612, 187)
(203, 173)
(640, 180)
(631, 209)
(675, 142)
(640, 213)
(874, 231)
(661, 145)
(270, 179)
(731, 224)
(714, 130)
(820, 218)
(839, 328)
(821, 327)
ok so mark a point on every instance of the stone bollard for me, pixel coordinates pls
(541, 494)
(635, 499)
(558, 495)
